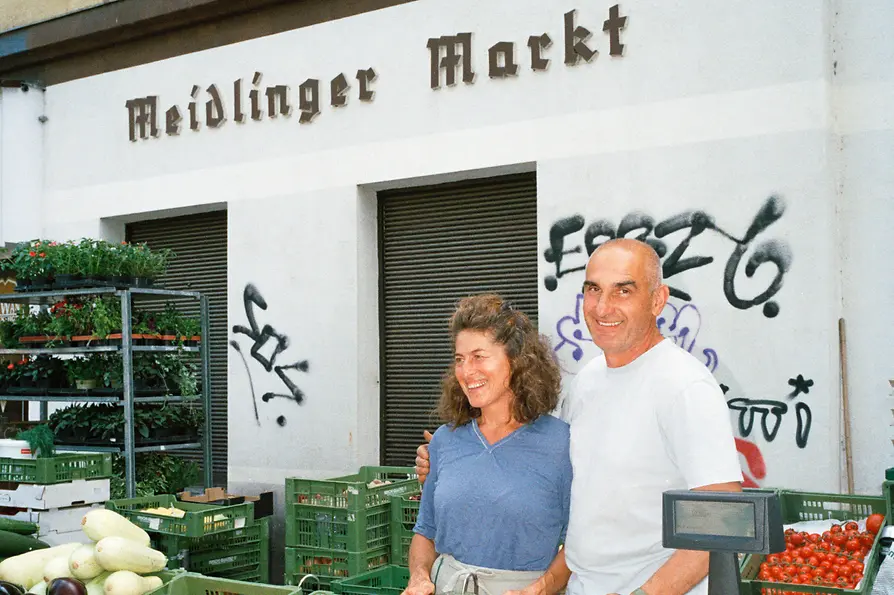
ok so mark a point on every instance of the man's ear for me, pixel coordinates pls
(659, 299)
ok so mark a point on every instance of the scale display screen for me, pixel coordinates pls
(742, 522)
(705, 517)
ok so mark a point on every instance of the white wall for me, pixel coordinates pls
(21, 163)
(863, 92)
(715, 106)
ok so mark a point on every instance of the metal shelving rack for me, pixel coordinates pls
(127, 399)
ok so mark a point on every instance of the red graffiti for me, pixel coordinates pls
(757, 469)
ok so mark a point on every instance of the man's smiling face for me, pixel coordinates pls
(622, 298)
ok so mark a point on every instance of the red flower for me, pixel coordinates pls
(53, 244)
(124, 243)
(10, 366)
(43, 254)
(32, 254)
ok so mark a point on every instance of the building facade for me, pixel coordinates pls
(749, 142)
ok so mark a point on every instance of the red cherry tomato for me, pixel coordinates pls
(874, 523)
(851, 526)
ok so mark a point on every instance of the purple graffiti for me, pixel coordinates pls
(680, 325)
(576, 333)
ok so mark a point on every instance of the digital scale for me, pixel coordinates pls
(725, 524)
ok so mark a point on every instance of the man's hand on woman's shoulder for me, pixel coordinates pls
(422, 462)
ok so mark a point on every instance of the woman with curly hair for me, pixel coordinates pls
(495, 505)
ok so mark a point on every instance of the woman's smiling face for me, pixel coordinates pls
(482, 369)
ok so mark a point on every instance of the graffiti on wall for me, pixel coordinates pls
(677, 322)
(267, 345)
(675, 258)
(771, 412)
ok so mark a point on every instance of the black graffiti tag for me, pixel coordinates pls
(252, 298)
(748, 408)
(642, 226)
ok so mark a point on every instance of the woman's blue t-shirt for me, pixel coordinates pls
(502, 505)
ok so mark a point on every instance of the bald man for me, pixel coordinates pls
(646, 417)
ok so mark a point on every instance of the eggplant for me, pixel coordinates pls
(65, 586)
(11, 589)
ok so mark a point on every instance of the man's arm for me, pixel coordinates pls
(553, 580)
(685, 568)
(422, 557)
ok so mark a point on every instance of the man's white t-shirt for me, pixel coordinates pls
(659, 423)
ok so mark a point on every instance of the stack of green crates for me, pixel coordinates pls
(404, 509)
(239, 554)
(220, 541)
(341, 527)
(62, 468)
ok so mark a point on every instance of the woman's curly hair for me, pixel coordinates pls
(535, 379)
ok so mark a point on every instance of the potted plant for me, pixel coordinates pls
(32, 266)
(120, 254)
(31, 327)
(145, 266)
(84, 372)
(189, 331)
(156, 473)
(144, 329)
(67, 261)
(42, 373)
(105, 317)
(73, 424)
(8, 338)
(9, 376)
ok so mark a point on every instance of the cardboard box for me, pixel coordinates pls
(61, 495)
(60, 520)
(263, 503)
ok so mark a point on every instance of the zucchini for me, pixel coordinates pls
(13, 544)
(20, 527)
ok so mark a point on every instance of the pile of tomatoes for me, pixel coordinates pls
(833, 559)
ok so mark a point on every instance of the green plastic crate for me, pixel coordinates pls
(403, 518)
(331, 564)
(809, 506)
(225, 561)
(261, 574)
(338, 529)
(59, 469)
(200, 519)
(178, 548)
(388, 580)
(888, 491)
(350, 492)
(195, 584)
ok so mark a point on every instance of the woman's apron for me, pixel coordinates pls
(451, 576)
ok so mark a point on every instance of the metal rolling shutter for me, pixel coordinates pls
(437, 245)
(200, 242)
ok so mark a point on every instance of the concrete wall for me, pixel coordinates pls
(733, 111)
(18, 13)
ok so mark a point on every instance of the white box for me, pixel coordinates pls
(59, 520)
(59, 495)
